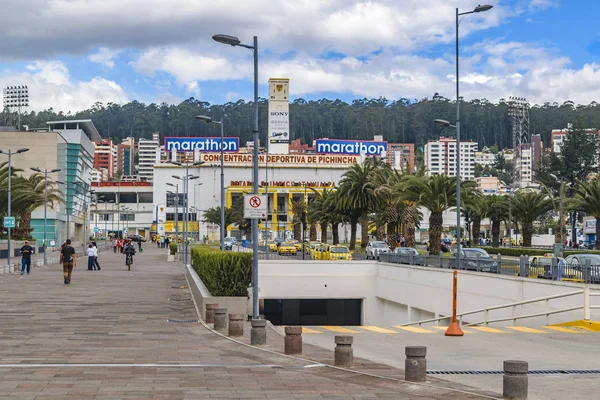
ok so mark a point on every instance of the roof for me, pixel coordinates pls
(85, 125)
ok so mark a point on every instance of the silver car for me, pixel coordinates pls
(374, 249)
(404, 255)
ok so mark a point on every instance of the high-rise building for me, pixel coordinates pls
(126, 156)
(401, 155)
(523, 165)
(440, 158)
(103, 158)
(147, 157)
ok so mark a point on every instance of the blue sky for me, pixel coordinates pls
(75, 53)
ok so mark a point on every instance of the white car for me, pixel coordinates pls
(229, 242)
(374, 249)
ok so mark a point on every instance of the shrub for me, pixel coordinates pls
(224, 273)
(173, 248)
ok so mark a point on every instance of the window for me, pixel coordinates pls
(145, 198)
(171, 199)
(127, 217)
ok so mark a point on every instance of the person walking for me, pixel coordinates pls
(26, 252)
(90, 254)
(114, 243)
(96, 264)
(68, 259)
(162, 242)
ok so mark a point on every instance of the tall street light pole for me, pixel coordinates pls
(45, 172)
(222, 230)
(457, 126)
(234, 41)
(176, 186)
(10, 153)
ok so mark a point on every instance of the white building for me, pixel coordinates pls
(440, 157)
(485, 158)
(524, 165)
(147, 156)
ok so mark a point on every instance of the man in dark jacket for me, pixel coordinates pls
(26, 252)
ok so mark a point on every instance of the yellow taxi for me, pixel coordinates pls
(296, 244)
(287, 248)
(339, 253)
(312, 246)
(541, 266)
(272, 245)
(321, 252)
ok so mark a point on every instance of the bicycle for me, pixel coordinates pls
(128, 260)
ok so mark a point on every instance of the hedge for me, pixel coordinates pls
(224, 273)
(517, 251)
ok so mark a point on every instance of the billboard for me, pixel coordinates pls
(589, 226)
(202, 144)
(354, 147)
(279, 122)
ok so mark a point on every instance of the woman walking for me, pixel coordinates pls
(90, 254)
(96, 263)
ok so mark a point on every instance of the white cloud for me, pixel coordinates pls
(105, 57)
(50, 85)
(232, 96)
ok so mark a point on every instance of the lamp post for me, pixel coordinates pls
(222, 233)
(176, 186)
(457, 126)
(45, 172)
(10, 153)
(561, 196)
(186, 180)
(234, 41)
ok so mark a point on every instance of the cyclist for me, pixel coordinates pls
(129, 251)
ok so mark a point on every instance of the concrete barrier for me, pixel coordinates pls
(415, 365)
(220, 319)
(515, 382)
(343, 353)
(258, 332)
(293, 340)
(236, 325)
(209, 317)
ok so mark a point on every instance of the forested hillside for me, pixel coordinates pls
(397, 120)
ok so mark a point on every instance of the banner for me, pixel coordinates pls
(286, 159)
(355, 147)
(279, 122)
(202, 144)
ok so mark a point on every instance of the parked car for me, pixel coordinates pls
(403, 256)
(287, 248)
(311, 247)
(339, 253)
(575, 264)
(374, 249)
(136, 238)
(296, 244)
(541, 266)
(272, 245)
(229, 242)
(475, 259)
(320, 252)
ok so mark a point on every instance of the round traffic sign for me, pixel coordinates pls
(255, 202)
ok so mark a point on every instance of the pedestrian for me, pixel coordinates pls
(162, 242)
(68, 259)
(204, 239)
(96, 263)
(26, 252)
(140, 245)
(114, 243)
(90, 254)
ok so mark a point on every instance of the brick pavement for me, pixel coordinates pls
(48, 330)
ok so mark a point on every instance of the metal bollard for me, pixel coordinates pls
(514, 383)
(343, 354)
(258, 332)
(210, 313)
(236, 325)
(220, 319)
(293, 340)
(415, 365)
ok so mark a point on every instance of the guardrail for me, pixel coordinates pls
(586, 307)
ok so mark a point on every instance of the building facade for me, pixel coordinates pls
(401, 155)
(104, 158)
(440, 158)
(147, 149)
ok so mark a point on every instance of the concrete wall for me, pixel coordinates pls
(394, 294)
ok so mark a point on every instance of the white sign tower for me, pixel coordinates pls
(279, 116)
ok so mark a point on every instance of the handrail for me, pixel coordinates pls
(518, 303)
(541, 314)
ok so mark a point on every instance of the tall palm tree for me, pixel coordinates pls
(496, 208)
(437, 194)
(528, 206)
(298, 207)
(587, 199)
(470, 209)
(357, 195)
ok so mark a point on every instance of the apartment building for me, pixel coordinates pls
(440, 158)
(104, 158)
(401, 155)
(147, 149)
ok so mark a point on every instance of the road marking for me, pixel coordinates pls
(339, 329)
(562, 329)
(377, 329)
(443, 328)
(525, 329)
(487, 329)
(413, 329)
(309, 330)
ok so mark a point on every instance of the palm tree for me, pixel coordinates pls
(496, 208)
(471, 210)
(437, 194)
(528, 206)
(298, 207)
(587, 199)
(357, 195)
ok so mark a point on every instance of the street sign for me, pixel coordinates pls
(9, 222)
(255, 206)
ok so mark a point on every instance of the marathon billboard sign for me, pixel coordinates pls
(350, 147)
(202, 144)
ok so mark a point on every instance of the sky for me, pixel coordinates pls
(74, 53)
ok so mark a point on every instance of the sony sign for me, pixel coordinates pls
(354, 147)
(202, 144)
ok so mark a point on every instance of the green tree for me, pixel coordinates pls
(587, 200)
(528, 207)
(496, 208)
(213, 216)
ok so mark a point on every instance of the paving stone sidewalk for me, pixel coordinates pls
(102, 336)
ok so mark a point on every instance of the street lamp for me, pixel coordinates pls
(186, 180)
(176, 186)
(10, 154)
(45, 172)
(234, 41)
(210, 121)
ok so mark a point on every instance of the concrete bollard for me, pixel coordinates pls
(415, 365)
(220, 319)
(258, 332)
(293, 340)
(515, 379)
(343, 354)
(236, 325)
(210, 313)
